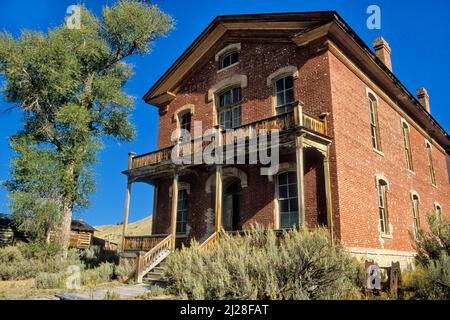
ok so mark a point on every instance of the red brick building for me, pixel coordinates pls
(359, 153)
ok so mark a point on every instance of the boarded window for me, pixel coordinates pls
(430, 164)
(407, 146)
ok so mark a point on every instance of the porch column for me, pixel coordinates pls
(127, 200)
(173, 222)
(218, 202)
(300, 178)
(326, 167)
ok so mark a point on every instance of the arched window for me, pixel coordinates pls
(228, 59)
(284, 94)
(374, 126)
(438, 210)
(288, 199)
(430, 163)
(229, 107)
(407, 145)
(382, 207)
(182, 211)
(184, 119)
(415, 211)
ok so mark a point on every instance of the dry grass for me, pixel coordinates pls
(114, 232)
(23, 290)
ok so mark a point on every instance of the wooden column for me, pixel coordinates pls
(127, 201)
(218, 202)
(300, 179)
(173, 222)
(328, 195)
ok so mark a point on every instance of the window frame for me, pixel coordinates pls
(181, 116)
(285, 106)
(429, 155)
(226, 55)
(182, 212)
(415, 202)
(383, 211)
(407, 145)
(293, 215)
(224, 109)
(372, 102)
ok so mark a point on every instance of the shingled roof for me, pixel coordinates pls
(80, 225)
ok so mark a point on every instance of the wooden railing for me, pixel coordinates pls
(142, 243)
(211, 241)
(146, 262)
(281, 122)
(314, 124)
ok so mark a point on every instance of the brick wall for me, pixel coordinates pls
(357, 166)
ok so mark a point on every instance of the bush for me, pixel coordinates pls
(431, 278)
(300, 265)
(103, 273)
(125, 270)
(45, 280)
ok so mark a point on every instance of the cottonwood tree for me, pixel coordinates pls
(69, 85)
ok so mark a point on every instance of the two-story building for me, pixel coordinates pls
(358, 152)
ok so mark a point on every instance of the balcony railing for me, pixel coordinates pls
(142, 243)
(281, 122)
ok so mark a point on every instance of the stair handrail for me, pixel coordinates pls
(211, 241)
(143, 261)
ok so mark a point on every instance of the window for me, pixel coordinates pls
(288, 199)
(415, 208)
(430, 163)
(229, 108)
(228, 59)
(438, 211)
(284, 94)
(407, 145)
(374, 127)
(185, 121)
(382, 206)
(182, 212)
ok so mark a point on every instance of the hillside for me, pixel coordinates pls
(114, 232)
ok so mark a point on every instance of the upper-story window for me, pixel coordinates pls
(229, 59)
(229, 108)
(407, 146)
(415, 210)
(182, 211)
(430, 163)
(185, 121)
(288, 199)
(284, 94)
(382, 206)
(374, 125)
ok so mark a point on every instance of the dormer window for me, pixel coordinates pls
(229, 59)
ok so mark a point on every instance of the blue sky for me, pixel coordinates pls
(417, 32)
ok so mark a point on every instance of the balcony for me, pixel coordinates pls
(284, 123)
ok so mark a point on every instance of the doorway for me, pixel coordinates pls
(231, 212)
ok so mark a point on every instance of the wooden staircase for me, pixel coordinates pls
(150, 264)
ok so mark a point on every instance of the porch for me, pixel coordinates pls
(222, 196)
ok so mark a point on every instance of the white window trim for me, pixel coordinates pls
(381, 177)
(412, 194)
(228, 48)
(280, 73)
(182, 110)
(368, 93)
(284, 167)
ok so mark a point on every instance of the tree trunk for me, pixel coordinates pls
(66, 228)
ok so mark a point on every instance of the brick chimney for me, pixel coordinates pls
(424, 98)
(383, 51)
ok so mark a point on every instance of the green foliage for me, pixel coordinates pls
(103, 273)
(125, 270)
(69, 83)
(300, 265)
(431, 278)
(45, 280)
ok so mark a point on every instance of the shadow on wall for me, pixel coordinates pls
(448, 167)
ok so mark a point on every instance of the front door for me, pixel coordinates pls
(231, 207)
